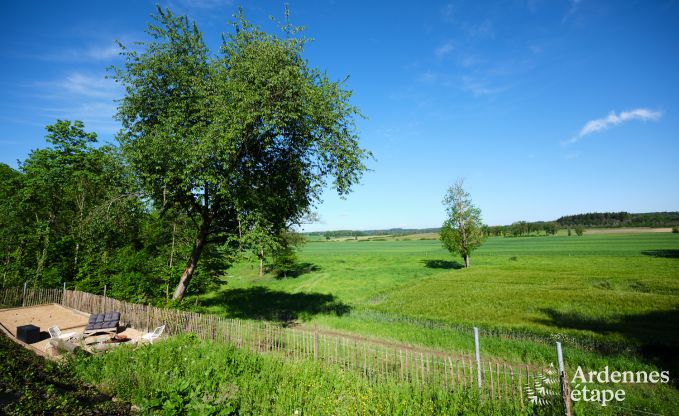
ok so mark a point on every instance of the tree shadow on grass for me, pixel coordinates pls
(271, 305)
(442, 264)
(298, 270)
(666, 254)
(655, 334)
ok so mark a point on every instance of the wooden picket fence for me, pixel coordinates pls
(521, 384)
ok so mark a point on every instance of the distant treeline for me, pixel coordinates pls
(367, 233)
(621, 219)
(524, 228)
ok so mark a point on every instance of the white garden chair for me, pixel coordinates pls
(151, 336)
(56, 333)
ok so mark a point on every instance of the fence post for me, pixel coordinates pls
(478, 356)
(103, 301)
(23, 297)
(63, 295)
(563, 382)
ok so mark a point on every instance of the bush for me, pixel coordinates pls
(579, 230)
(675, 229)
(285, 262)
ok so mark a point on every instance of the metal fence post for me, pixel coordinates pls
(478, 356)
(563, 382)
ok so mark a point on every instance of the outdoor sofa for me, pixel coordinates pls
(102, 322)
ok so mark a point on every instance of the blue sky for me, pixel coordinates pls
(546, 108)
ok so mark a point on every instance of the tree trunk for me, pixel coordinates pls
(261, 262)
(193, 261)
(466, 261)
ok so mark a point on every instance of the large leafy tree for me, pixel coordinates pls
(461, 232)
(250, 131)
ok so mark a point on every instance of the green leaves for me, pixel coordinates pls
(461, 232)
(253, 130)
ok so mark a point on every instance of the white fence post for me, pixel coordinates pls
(563, 382)
(478, 356)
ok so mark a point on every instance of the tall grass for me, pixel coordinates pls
(185, 376)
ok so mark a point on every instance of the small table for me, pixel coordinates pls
(28, 333)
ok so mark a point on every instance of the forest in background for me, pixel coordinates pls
(524, 228)
(74, 213)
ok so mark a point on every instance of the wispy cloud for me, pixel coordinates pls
(479, 30)
(90, 86)
(448, 12)
(479, 87)
(78, 96)
(445, 49)
(105, 51)
(78, 84)
(601, 124)
(204, 4)
(571, 10)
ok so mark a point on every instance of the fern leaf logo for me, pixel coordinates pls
(543, 388)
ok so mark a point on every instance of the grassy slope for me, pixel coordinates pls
(611, 299)
(185, 376)
(582, 286)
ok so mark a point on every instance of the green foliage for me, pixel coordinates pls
(72, 213)
(461, 232)
(621, 219)
(32, 385)
(249, 131)
(551, 228)
(217, 379)
(66, 204)
(579, 230)
(285, 262)
(675, 230)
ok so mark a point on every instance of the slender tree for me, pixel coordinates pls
(252, 129)
(461, 232)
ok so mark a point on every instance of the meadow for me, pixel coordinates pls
(610, 299)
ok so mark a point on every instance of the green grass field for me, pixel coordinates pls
(611, 299)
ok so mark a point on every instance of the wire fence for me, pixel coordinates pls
(519, 383)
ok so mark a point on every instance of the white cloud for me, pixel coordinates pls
(601, 124)
(572, 10)
(205, 4)
(480, 87)
(102, 53)
(108, 50)
(89, 86)
(444, 49)
(78, 96)
(428, 77)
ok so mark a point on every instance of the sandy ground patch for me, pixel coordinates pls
(45, 316)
